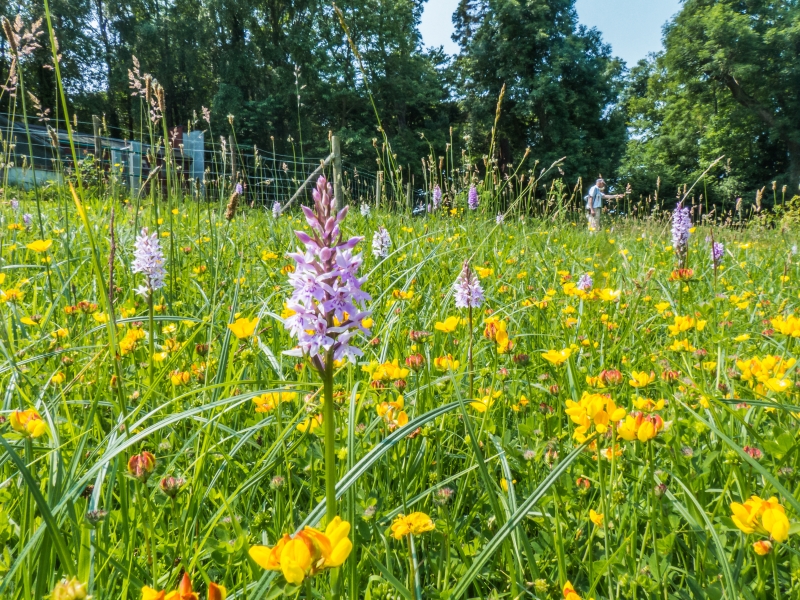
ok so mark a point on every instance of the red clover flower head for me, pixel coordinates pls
(327, 298)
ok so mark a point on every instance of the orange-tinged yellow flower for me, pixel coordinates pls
(58, 378)
(764, 517)
(504, 343)
(393, 413)
(179, 378)
(243, 327)
(449, 325)
(557, 357)
(648, 405)
(39, 245)
(149, 593)
(446, 363)
(216, 592)
(27, 422)
(762, 547)
(640, 379)
(762, 370)
(683, 324)
(570, 593)
(306, 553)
(414, 524)
(640, 426)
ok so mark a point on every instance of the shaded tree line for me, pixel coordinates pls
(726, 83)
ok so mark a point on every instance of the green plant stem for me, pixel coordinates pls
(329, 426)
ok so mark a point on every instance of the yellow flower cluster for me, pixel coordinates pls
(306, 553)
(787, 326)
(598, 410)
(269, 401)
(764, 517)
(128, 343)
(388, 371)
(766, 373)
(413, 524)
(683, 324)
(641, 426)
(392, 412)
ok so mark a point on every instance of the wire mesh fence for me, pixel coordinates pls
(39, 153)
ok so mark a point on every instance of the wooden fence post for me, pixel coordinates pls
(98, 144)
(408, 195)
(336, 149)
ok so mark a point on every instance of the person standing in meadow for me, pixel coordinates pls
(594, 203)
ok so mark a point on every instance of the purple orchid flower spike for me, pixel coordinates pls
(327, 296)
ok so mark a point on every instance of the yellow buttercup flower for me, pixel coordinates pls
(39, 245)
(640, 379)
(306, 553)
(449, 325)
(557, 357)
(243, 328)
(414, 524)
(596, 518)
(310, 424)
(484, 403)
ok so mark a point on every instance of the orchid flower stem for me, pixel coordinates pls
(329, 424)
(151, 339)
(471, 370)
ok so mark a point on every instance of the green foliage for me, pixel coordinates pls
(561, 84)
(726, 84)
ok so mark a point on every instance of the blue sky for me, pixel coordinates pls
(632, 27)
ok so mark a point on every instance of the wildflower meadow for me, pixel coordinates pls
(364, 404)
(268, 376)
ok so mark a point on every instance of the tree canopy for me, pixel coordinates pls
(727, 82)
